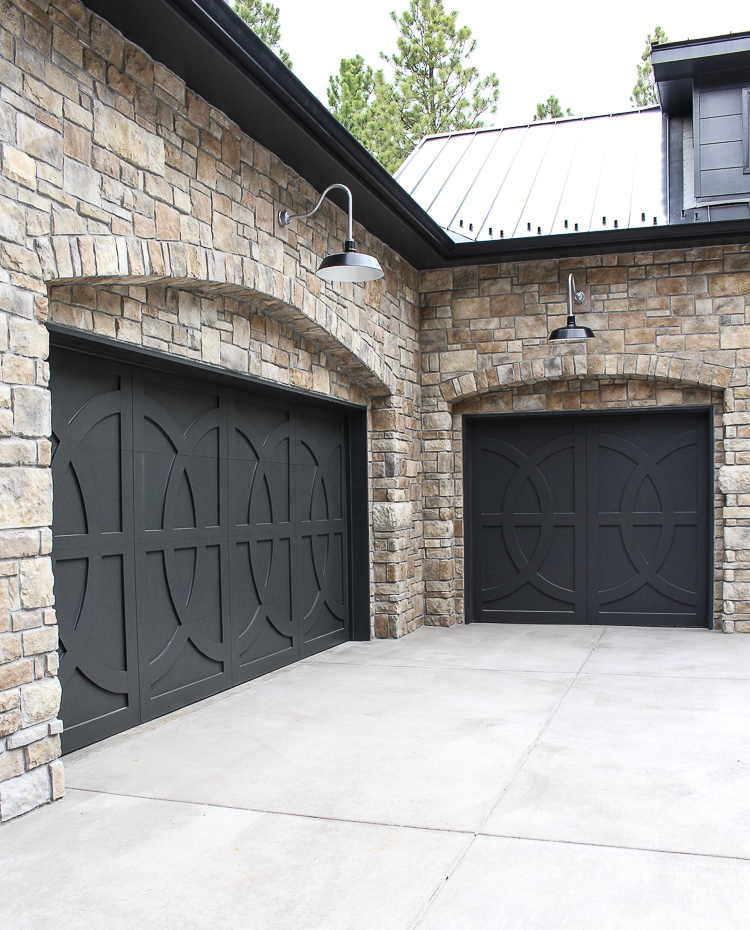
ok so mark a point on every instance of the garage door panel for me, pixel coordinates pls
(599, 519)
(93, 558)
(183, 638)
(648, 520)
(225, 514)
(527, 482)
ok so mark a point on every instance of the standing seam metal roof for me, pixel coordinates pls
(581, 174)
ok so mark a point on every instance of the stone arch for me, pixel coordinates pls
(445, 602)
(691, 372)
(120, 260)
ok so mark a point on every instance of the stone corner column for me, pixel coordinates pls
(734, 483)
(31, 772)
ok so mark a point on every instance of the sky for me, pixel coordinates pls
(585, 51)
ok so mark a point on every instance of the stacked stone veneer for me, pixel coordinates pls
(132, 209)
(671, 327)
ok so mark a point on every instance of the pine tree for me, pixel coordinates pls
(550, 109)
(645, 92)
(433, 89)
(363, 101)
(263, 19)
(436, 91)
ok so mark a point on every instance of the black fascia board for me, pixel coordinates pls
(222, 60)
(572, 245)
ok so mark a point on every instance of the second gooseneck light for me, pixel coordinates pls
(572, 332)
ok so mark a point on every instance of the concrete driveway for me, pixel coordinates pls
(481, 777)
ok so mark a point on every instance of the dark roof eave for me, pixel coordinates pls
(656, 238)
(676, 60)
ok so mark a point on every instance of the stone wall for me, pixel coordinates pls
(132, 209)
(671, 328)
(148, 217)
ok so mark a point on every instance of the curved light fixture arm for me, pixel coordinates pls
(573, 295)
(285, 217)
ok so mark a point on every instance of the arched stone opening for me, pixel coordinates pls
(567, 384)
(118, 262)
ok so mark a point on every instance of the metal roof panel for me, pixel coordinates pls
(529, 180)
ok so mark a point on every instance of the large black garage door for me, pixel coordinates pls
(200, 539)
(590, 519)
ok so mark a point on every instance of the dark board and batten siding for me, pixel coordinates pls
(200, 538)
(721, 124)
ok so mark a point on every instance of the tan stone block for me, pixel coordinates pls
(507, 305)
(46, 750)
(538, 272)
(11, 764)
(77, 143)
(461, 360)
(608, 342)
(641, 390)
(31, 411)
(167, 222)
(10, 647)
(28, 337)
(17, 258)
(735, 337)
(725, 285)
(138, 65)
(16, 673)
(669, 397)
(671, 286)
(529, 402)
(12, 220)
(438, 529)
(57, 778)
(10, 722)
(40, 701)
(734, 479)
(531, 327)
(387, 419)
(19, 371)
(39, 141)
(37, 583)
(271, 250)
(614, 274)
(211, 346)
(22, 794)
(387, 517)
(127, 139)
(471, 308)
(39, 641)
(9, 700)
(19, 167)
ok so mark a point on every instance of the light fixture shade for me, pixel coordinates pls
(350, 266)
(571, 332)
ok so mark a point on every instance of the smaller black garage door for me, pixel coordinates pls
(200, 538)
(598, 519)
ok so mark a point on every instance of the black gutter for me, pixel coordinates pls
(206, 44)
(571, 245)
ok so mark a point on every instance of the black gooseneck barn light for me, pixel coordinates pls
(348, 265)
(572, 332)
